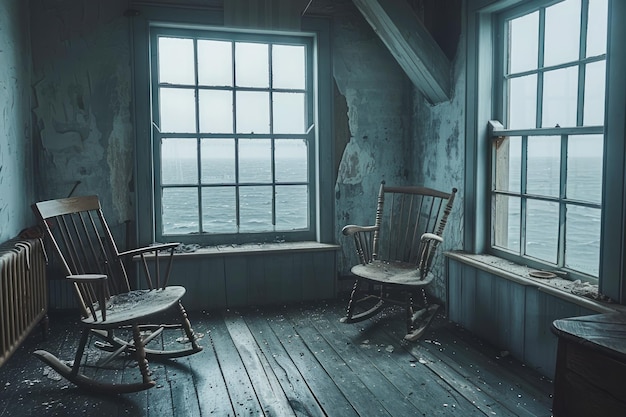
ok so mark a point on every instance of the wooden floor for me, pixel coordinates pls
(296, 360)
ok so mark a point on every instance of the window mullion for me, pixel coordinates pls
(198, 154)
(562, 205)
(523, 202)
(582, 67)
(540, 63)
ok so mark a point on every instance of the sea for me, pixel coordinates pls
(582, 224)
(180, 205)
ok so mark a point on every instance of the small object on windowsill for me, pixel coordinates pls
(542, 274)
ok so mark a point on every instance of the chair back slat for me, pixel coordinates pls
(403, 215)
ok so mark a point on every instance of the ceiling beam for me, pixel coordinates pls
(411, 44)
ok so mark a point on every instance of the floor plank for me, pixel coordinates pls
(388, 354)
(291, 361)
(265, 382)
(208, 378)
(322, 387)
(294, 384)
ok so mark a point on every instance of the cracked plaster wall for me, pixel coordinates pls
(16, 179)
(82, 102)
(439, 134)
(373, 99)
(383, 128)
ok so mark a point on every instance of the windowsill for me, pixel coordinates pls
(254, 248)
(558, 287)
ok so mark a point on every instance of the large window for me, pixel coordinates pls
(547, 145)
(232, 115)
(233, 130)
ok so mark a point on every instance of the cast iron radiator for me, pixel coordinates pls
(23, 293)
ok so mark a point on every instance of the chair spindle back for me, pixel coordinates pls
(84, 244)
(403, 215)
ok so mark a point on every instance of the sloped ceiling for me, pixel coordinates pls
(411, 44)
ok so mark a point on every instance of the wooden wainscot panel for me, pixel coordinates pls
(256, 275)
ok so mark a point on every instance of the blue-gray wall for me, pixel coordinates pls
(438, 158)
(16, 167)
(81, 64)
(82, 103)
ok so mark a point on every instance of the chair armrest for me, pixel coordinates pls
(151, 262)
(351, 229)
(363, 240)
(147, 249)
(431, 236)
(87, 278)
(428, 247)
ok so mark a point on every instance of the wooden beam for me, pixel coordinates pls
(411, 44)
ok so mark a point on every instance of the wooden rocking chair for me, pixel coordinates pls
(397, 253)
(86, 250)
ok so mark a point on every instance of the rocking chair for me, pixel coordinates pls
(87, 252)
(396, 255)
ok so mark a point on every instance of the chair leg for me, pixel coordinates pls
(140, 353)
(78, 357)
(422, 317)
(410, 320)
(352, 302)
(187, 328)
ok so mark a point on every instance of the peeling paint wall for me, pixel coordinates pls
(383, 130)
(82, 88)
(374, 101)
(439, 155)
(16, 179)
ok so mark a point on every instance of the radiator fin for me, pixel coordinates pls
(23, 292)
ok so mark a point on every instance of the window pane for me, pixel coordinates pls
(289, 113)
(524, 42)
(179, 211)
(251, 65)
(543, 171)
(288, 66)
(215, 63)
(560, 97)
(594, 93)
(291, 159)
(176, 61)
(522, 102)
(508, 164)
(582, 239)
(178, 110)
(219, 210)
(253, 112)
(562, 33)
(179, 164)
(506, 222)
(292, 207)
(584, 168)
(218, 161)
(542, 230)
(216, 111)
(255, 160)
(597, 27)
(255, 214)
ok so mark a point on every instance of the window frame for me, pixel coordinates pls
(238, 236)
(482, 106)
(322, 180)
(497, 131)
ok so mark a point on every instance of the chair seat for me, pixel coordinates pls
(392, 273)
(136, 305)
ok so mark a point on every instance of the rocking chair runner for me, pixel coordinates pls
(81, 237)
(397, 253)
